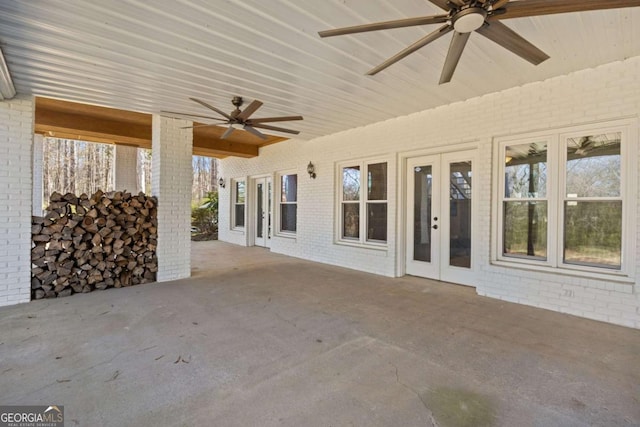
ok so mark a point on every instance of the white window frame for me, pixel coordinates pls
(234, 197)
(278, 205)
(361, 241)
(556, 173)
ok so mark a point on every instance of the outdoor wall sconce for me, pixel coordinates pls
(311, 170)
(221, 183)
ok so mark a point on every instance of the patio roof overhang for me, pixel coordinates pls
(64, 119)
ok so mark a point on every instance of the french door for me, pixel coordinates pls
(262, 212)
(440, 217)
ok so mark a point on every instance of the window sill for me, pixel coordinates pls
(238, 230)
(610, 276)
(284, 235)
(373, 246)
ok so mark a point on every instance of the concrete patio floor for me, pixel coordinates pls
(260, 339)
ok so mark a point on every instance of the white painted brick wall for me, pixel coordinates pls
(171, 184)
(126, 168)
(608, 92)
(16, 137)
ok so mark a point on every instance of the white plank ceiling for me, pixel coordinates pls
(149, 56)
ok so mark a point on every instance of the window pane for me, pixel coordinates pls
(460, 214)
(377, 181)
(239, 215)
(525, 229)
(288, 215)
(289, 188)
(593, 233)
(525, 171)
(377, 221)
(351, 220)
(240, 192)
(351, 183)
(593, 166)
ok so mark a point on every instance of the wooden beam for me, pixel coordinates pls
(106, 129)
(62, 119)
(203, 144)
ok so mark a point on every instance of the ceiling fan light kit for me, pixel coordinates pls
(482, 16)
(469, 19)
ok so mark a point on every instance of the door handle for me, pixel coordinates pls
(435, 227)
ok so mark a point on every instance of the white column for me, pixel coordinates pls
(172, 176)
(16, 138)
(127, 168)
(37, 160)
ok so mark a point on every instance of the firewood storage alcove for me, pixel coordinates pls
(85, 243)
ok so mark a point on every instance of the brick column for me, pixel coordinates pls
(171, 184)
(127, 168)
(16, 138)
(38, 189)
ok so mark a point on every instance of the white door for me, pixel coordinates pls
(262, 212)
(440, 217)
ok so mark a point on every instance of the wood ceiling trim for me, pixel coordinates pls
(63, 119)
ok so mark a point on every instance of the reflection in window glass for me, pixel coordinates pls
(288, 203)
(377, 181)
(593, 233)
(240, 192)
(351, 183)
(593, 166)
(351, 220)
(238, 204)
(525, 171)
(377, 221)
(289, 188)
(525, 229)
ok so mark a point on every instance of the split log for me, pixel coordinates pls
(93, 242)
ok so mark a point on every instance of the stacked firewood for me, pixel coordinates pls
(86, 243)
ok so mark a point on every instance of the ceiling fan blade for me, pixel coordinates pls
(247, 112)
(277, 129)
(211, 107)
(442, 4)
(255, 132)
(498, 4)
(385, 25)
(227, 132)
(275, 119)
(202, 125)
(175, 113)
(458, 3)
(458, 42)
(525, 8)
(499, 33)
(415, 46)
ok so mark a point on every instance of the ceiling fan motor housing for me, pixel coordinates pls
(469, 19)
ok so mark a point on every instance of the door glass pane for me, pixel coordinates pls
(525, 171)
(377, 222)
(525, 229)
(593, 166)
(351, 220)
(351, 183)
(260, 209)
(460, 214)
(593, 233)
(377, 182)
(422, 213)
